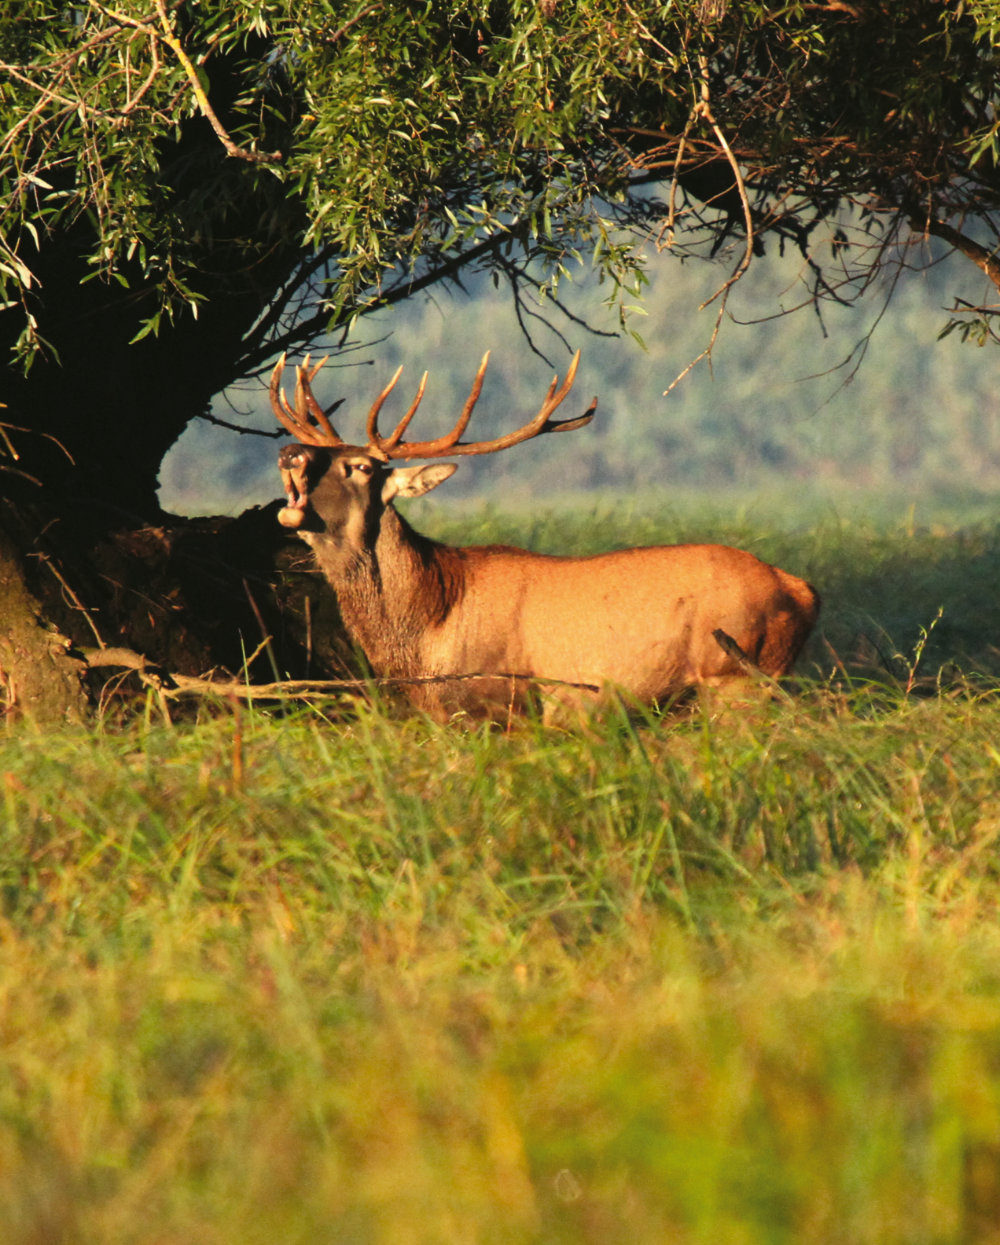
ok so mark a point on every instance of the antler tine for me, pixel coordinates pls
(374, 440)
(305, 398)
(297, 420)
(393, 446)
(551, 402)
(279, 404)
(303, 374)
(393, 438)
(541, 423)
(477, 388)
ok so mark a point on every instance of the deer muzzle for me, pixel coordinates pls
(293, 479)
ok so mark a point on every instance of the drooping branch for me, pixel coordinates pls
(984, 259)
(704, 109)
(207, 111)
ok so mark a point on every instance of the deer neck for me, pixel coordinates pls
(392, 585)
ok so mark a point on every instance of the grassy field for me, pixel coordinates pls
(347, 976)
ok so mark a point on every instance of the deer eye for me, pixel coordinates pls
(364, 468)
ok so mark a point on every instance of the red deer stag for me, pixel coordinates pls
(642, 621)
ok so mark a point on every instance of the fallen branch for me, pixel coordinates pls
(175, 685)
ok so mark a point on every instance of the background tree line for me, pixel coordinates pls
(872, 408)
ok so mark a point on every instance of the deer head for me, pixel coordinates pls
(324, 467)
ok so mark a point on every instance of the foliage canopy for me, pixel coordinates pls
(386, 145)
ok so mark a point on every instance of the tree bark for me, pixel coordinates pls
(39, 679)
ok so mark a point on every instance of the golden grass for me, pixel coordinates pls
(374, 980)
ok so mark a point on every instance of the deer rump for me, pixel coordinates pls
(639, 622)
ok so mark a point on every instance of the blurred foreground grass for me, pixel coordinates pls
(274, 978)
(403, 984)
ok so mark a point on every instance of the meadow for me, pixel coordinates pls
(335, 973)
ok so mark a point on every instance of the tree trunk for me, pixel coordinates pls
(85, 550)
(86, 546)
(39, 679)
(234, 597)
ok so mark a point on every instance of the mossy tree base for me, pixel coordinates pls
(39, 678)
(232, 598)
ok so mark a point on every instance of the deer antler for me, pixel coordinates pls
(297, 421)
(393, 446)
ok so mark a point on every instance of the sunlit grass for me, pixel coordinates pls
(364, 978)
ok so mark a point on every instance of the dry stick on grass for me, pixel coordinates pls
(174, 685)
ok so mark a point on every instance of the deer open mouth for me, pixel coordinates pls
(293, 478)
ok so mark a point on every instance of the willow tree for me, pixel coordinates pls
(186, 190)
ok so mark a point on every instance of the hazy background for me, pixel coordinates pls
(778, 418)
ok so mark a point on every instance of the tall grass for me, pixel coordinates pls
(285, 977)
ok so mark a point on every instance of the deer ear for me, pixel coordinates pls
(415, 481)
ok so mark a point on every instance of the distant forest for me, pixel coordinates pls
(772, 413)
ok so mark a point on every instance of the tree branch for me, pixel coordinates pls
(704, 109)
(207, 111)
(984, 259)
(174, 685)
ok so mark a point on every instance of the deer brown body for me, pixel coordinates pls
(640, 621)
